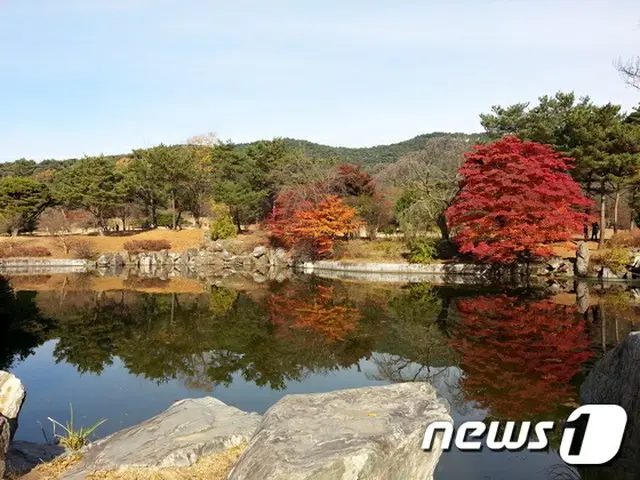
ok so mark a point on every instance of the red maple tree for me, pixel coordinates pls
(352, 181)
(519, 356)
(313, 224)
(515, 198)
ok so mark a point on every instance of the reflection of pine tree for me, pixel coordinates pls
(22, 327)
(415, 336)
(520, 357)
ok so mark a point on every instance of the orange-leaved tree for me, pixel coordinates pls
(322, 314)
(515, 199)
(314, 224)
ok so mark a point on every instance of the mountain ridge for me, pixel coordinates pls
(378, 154)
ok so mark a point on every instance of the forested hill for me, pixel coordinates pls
(378, 154)
(364, 155)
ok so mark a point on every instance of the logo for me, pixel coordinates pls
(592, 435)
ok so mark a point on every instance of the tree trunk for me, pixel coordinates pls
(236, 217)
(179, 220)
(124, 222)
(173, 210)
(153, 213)
(443, 226)
(602, 221)
(615, 212)
(14, 231)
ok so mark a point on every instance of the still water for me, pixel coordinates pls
(125, 352)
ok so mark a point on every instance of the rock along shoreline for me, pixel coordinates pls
(369, 433)
(265, 263)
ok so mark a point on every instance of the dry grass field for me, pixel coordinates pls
(180, 240)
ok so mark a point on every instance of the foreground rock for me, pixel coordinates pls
(22, 457)
(12, 395)
(5, 432)
(615, 379)
(178, 437)
(365, 433)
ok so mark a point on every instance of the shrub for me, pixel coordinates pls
(222, 228)
(422, 250)
(624, 239)
(221, 224)
(137, 246)
(19, 251)
(82, 249)
(165, 219)
(617, 259)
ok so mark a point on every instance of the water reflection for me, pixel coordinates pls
(514, 355)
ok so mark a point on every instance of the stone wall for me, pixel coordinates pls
(214, 260)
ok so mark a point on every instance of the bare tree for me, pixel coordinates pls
(629, 71)
(56, 222)
(428, 179)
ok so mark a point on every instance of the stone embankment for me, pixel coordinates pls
(368, 433)
(208, 262)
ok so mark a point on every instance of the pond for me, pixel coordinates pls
(126, 350)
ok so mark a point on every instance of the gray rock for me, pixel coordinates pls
(582, 296)
(105, 260)
(190, 253)
(217, 246)
(22, 457)
(258, 277)
(145, 261)
(178, 437)
(227, 256)
(259, 251)
(615, 379)
(365, 433)
(606, 273)
(162, 257)
(5, 435)
(582, 260)
(12, 395)
(117, 261)
(126, 258)
(173, 256)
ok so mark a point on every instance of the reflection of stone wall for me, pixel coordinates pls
(615, 379)
(212, 261)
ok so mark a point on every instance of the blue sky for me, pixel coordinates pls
(105, 76)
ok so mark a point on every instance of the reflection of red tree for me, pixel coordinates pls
(319, 314)
(519, 357)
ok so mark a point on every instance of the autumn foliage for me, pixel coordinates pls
(322, 314)
(515, 199)
(519, 356)
(313, 224)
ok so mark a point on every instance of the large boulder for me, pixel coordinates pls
(582, 260)
(178, 437)
(23, 457)
(5, 434)
(615, 379)
(364, 433)
(12, 395)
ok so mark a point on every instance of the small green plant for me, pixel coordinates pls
(422, 250)
(222, 225)
(74, 439)
(617, 259)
